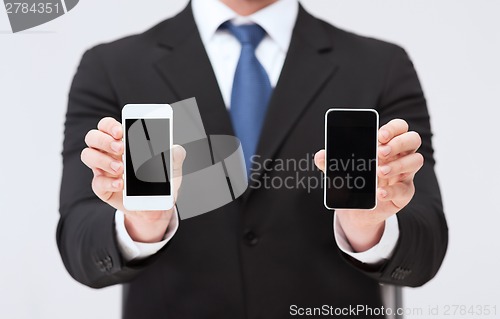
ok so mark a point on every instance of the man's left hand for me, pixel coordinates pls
(398, 162)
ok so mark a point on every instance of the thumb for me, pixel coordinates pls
(178, 156)
(319, 160)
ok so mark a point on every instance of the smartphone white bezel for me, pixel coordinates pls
(376, 154)
(147, 111)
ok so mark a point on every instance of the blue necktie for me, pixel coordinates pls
(251, 90)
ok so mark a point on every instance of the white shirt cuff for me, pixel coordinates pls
(378, 253)
(131, 249)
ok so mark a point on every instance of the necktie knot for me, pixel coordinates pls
(246, 34)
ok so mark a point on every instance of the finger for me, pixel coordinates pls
(104, 186)
(104, 142)
(408, 164)
(405, 143)
(95, 159)
(319, 160)
(178, 156)
(111, 126)
(400, 194)
(390, 130)
(98, 172)
(381, 182)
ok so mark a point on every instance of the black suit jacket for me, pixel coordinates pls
(272, 248)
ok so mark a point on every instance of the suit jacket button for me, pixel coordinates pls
(100, 265)
(108, 263)
(250, 238)
(400, 273)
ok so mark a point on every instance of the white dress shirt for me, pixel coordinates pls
(223, 50)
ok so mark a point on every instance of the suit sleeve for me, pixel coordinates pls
(423, 236)
(86, 234)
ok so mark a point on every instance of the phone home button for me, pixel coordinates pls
(250, 238)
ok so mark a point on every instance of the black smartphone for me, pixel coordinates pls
(351, 140)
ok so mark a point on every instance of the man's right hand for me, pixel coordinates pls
(104, 157)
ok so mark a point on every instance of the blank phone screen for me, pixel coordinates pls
(147, 152)
(351, 159)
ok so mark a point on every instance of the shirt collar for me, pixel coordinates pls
(210, 14)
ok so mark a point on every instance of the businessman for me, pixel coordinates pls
(265, 71)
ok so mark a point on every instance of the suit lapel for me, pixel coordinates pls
(308, 65)
(186, 69)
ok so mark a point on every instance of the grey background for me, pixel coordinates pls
(455, 46)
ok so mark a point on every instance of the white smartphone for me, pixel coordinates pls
(147, 134)
(351, 141)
